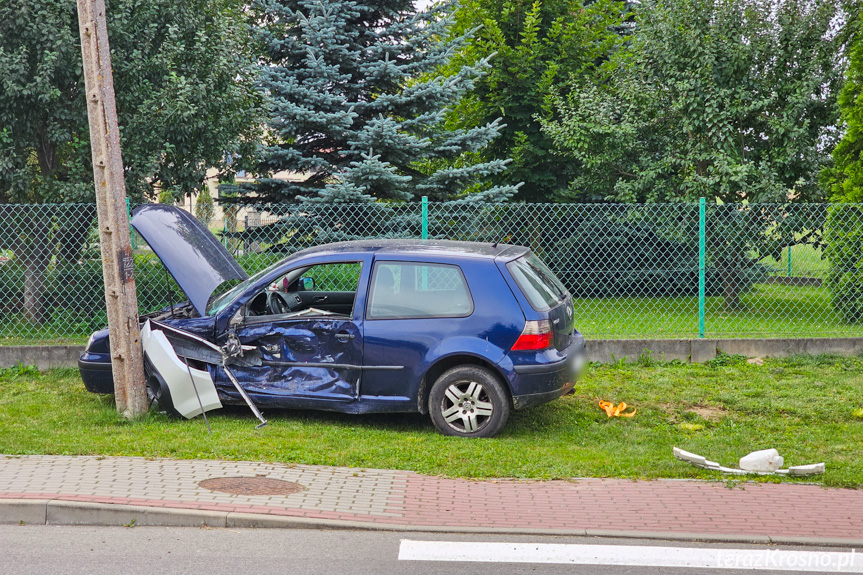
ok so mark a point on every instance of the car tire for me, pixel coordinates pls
(469, 401)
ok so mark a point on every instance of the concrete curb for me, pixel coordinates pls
(600, 350)
(701, 350)
(42, 356)
(58, 512)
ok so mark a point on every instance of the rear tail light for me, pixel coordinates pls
(536, 335)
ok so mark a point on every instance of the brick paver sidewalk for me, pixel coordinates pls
(400, 498)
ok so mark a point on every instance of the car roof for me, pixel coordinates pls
(405, 247)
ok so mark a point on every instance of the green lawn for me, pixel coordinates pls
(768, 310)
(806, 261)
(810, 409)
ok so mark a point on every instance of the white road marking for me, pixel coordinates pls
(630, 555)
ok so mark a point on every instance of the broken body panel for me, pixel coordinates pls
(191, 390)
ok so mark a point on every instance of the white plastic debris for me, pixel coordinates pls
(766, 460)
(796, 470)
(811, 469)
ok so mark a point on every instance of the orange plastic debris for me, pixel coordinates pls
(612, 410)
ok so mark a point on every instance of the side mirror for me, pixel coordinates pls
(236, 319)
(306, 284)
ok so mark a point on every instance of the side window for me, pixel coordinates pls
(402, 290)
(333, 277)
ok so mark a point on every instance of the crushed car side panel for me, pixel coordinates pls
(312, 358)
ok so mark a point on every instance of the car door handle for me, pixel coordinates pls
(344, 336)
(319, 298)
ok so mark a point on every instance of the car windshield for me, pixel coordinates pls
(219, 302)
(538, 283)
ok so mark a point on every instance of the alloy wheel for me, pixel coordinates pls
(466, 406)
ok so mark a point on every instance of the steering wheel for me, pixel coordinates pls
(277, 304)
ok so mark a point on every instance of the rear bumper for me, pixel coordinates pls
(531, 399)
(96, 373)
(536, 384)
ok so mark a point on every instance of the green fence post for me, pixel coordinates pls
(131, 229)
(701, 265)
(425, 209)
(424, 282)
(789, 261)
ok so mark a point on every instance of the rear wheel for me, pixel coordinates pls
(469, 401)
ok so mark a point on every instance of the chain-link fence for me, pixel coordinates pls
(635, 270)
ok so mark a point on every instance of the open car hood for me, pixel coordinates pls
(192, 255)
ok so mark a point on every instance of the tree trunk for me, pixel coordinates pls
(34, 285)
(731, 286)
(35, 254)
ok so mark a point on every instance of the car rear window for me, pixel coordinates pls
(538, 283)
(402, 290)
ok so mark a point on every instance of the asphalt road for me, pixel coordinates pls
(33, 550)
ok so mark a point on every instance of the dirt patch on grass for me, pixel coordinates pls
(706, 412)
(709, 412)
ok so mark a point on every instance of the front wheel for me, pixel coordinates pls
(469, 401)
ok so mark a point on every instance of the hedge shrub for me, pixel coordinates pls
(604, 257)
(844, 238)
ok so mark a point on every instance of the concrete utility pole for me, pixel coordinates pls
(117, 264)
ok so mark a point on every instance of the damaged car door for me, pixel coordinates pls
(309, 337)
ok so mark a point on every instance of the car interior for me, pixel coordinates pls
(326, 290)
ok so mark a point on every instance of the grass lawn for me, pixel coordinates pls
(768, 310)
(810, 409)
(806, 261)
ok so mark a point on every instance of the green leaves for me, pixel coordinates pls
(845, 177)
(534, 49)
(733, 100)
(844, 236)
(183, 82)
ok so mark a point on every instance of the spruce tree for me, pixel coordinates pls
(357, 109)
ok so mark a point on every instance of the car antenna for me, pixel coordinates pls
(507, 237)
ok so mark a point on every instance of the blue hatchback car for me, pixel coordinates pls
(463, 331)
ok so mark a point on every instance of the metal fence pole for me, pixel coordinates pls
(701, 265)
(245, 241)
(425, 215)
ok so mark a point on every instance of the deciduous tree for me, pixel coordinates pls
(535, 48)
(729, 99)
(185, 99)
